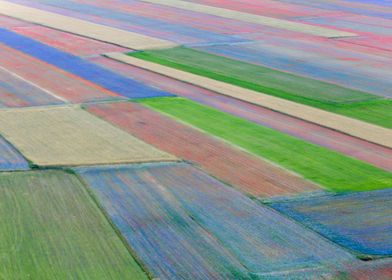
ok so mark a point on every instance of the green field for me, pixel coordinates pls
(330, 169)
(378, 112)
(326, 96)
(52, 229)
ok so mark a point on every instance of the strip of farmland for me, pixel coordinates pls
(78, 67)
(67, 136)
(52, 79)
(361, 222)
(52, 229)
(17, 92)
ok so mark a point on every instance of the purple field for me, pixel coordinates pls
(184, 207)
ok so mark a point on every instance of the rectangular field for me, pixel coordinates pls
(17, 92)
(169, 212)
(331, 170)
(66, 86)
(361, 222)
(52, 229)
(70, 136)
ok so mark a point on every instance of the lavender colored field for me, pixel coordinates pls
(124, 16)
(79, 67)
(380, 269)
(355, 7)
(67, 42)
(312, 65)
(17, 92)
(172, 215)
(65, 85)
(265, 7)
(167, 240)
(361, 222)
(10, 159)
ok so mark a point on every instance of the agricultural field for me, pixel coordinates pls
(70, 136)
(195, 139)
(363, 229)
(52, 229)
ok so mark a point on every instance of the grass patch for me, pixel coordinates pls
(52, 229)
(378, 112)
(330, 169)
(326, 96)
